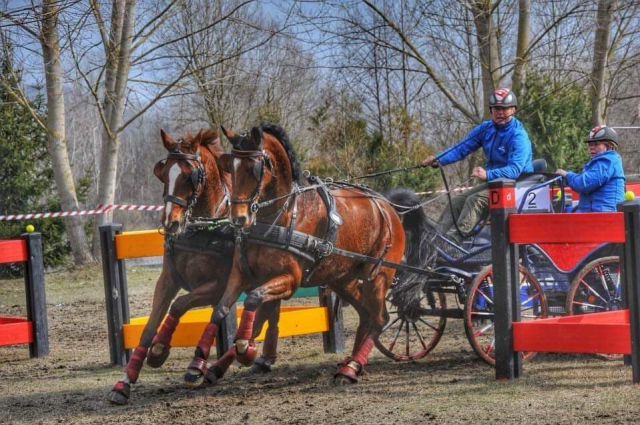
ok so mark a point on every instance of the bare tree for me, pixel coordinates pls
(44, 26)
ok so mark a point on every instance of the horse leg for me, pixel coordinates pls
(271, 310)
(270, 345)
(352, 366)
(277, 288)
(164, 292)
(372, 320)
(197, 369)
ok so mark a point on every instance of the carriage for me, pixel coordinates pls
(554, 280)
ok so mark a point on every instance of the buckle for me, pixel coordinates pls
(324, 249)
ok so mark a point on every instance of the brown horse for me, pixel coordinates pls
(196, 261)
(309, 223)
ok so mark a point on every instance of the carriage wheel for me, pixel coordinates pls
(413, 331)
(596, 288)
(479, 315)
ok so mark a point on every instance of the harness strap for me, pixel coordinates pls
(311, 247)
(244, 263)
(333, 222)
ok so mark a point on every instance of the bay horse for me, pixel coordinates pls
(196, 261)
(307, 224)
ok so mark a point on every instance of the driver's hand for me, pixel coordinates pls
(561, 172)
(479, 172)
(430, 161)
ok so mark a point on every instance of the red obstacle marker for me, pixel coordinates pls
(606, 333)
(33, 329)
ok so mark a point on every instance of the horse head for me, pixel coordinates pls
(191, 175)
(251, 168)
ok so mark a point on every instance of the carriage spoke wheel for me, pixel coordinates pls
(413, 331)
(479, 314)
(595, 289)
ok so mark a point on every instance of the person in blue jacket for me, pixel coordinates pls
(507, 149)
(601, 182)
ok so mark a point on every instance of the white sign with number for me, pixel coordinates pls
(538, 200)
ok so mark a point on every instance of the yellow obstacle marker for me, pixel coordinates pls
(146, 243)
(294, 320)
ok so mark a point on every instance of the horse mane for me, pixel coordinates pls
(278, 132)
(211, 140)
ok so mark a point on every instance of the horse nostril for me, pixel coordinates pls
(239, 221)
(174, 227)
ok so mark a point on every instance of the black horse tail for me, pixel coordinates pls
(420, 248)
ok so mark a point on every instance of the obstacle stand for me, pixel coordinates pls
(615, 332)
(125, 332)
(33, 329)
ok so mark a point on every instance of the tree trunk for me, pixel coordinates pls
(599, 70)
(488, 49)
(56, 130)
(519, 72)
(109, 159)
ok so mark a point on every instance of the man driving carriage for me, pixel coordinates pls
(601, 182)
(507, 149)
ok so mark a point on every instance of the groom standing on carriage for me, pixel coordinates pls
(507, 149)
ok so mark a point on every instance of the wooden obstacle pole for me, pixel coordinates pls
(631, 279)
(34, 329)
(502, 202)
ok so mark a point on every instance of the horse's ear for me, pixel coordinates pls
(167, 141)
(229, 134)
(157, 170)
(256, 136)
(226, 162)
(198, 139)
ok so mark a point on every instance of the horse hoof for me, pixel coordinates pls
(158, 354)
(212, 375)
(261, 365)
(248, 357)
(120, 393)
(343, 381)
(345, 375)
(194, 377)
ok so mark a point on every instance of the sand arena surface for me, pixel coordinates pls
(449, 386)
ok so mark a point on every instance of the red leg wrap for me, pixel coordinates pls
(245, 330)
(347, 372)
(270, 345)
(135, 363)
(363, 352)
(224, 362)
(248, 356)
(206, 340)
(361, 334)
(166, 331)
(200, 364)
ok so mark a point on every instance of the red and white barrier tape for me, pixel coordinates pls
(101, 209)
(431, 192)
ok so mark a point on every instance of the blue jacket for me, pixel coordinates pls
(601, 183)
(507, 149)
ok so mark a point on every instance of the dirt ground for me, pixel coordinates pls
(449, 386)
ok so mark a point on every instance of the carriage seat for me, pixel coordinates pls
(538, 174)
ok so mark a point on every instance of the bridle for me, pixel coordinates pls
(262, 160)
(197, 178)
